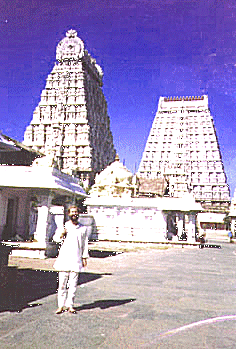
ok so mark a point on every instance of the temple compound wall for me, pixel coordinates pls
(122, 214)
(144, 220)
(71, 120)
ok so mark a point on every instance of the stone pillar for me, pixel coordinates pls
(55, 223)
(180, 224)
(87, 181)
(191, 227)
(164, 228)
(232, 226)
(43, 217)
(21, 228)
(33, 217)
(3, 212)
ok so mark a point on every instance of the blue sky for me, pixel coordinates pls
(147, 49)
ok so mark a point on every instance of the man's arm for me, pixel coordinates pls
(60, 234)
(63, 234)
(84, 262)
(85, 254)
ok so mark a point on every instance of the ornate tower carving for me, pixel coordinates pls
(71, 120)
(182, 146)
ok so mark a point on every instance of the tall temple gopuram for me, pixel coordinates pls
(182, 147)
(71, 123)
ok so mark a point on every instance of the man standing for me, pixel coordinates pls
(72, 257)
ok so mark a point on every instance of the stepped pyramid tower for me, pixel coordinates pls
(71, 123)
(182, 146)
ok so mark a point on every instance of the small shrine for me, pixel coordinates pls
(114, 181)
(126, 208)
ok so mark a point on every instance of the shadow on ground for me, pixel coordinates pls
(102, 254)
(105, 303)
(20, 287)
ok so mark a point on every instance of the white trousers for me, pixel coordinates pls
(67, 287)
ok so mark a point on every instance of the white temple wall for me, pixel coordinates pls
(129, 223)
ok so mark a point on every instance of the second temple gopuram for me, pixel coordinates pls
(182, 147)
(71, 124)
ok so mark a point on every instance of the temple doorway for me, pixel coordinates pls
(9, 228)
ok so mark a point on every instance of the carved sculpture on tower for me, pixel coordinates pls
(182, 146)
(71, 119)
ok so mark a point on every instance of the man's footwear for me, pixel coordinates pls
(71, 310)
(60, 310)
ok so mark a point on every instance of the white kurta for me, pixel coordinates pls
(73, 249)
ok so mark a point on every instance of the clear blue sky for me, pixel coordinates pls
(147, 49)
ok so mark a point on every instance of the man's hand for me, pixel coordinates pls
(84, 262)
(63, 235)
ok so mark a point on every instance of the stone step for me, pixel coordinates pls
(37, 250)
(217, 236)
(27, 249)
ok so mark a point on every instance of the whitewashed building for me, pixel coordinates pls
(122, 216)
(32, 198)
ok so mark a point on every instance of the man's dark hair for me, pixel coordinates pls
(72, 206)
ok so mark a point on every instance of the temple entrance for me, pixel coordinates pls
(176, 226)
(172, 229)
(9, 229)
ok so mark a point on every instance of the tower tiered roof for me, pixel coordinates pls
(183, 147)
(71, 120)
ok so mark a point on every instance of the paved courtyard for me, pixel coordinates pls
(144, 298)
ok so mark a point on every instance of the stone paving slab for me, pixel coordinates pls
(37, 250)
(145, 298)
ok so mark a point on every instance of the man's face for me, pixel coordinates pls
(74, 214)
